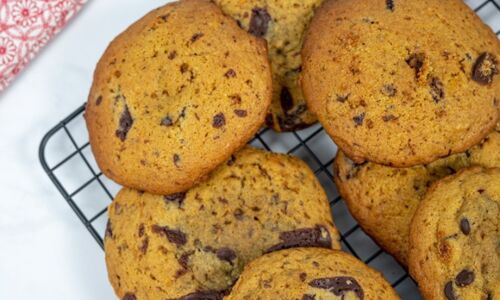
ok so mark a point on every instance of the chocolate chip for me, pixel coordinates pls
(484, 69)
(465, 226)
(358, 120)
(338, 286)
(226, 254)
(302, 276)
(306, 237)
(480, 191)
(172, 55)
(174, 236)
(259, 22)
(437, 89)
(177, 159)
(184, 259)
(389, 4)
(235, 99)
(343, 98)
(98, 100)
(286, 99)
(177, 197)
(293, 120)
(219, 120)
(196, 36)
(167, 121)
(388, 118)
(109, 230)
(184, 68)
(416, 61)
(231, 160)
(124, 124)
(308, 297)
(144, 246)
(230, 73)
(448, 291)
(207, 295)
(240, 113)
(164, 17)
(238, 214)
(464, 278)
(389, 90)
(129, 296)
(141, 230)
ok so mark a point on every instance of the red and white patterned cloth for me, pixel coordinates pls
(25, 27)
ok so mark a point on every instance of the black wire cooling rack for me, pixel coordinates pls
(66, 157)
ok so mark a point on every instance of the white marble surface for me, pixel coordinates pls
(45, 252)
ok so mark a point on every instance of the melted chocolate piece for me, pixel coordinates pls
(226, 254)
(259, 22)
(464, 278)
(306, 237)
(129, 296)
(465, 226)
(484, 69)
(125, 124)
(219, 120)
(177, 197)
(339, 286)
(174, 236)
(448, 291)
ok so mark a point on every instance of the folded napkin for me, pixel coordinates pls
(25, 27)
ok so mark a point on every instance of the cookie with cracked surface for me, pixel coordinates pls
(175, 95)
(454, 237)
(310, 274)
(384, 199)
(282, 24)
(195, 244)
(401, 83)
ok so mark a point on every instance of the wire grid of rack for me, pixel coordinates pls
(68, 161)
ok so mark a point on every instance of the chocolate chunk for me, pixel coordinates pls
(230, 73)
(293, 120)
(235, 99)
(109, 230)
(286, 99)
(388, 118)
(416, 61)
(437, 89)
(207, 295)
(259, 22)
(129, 296)
(231, 160)
(144, 245)
(226, 254)
(164, 17)
(174, 236)
(339, 286)
(306, 237)
(98, 101)
(184, 259)
(343, 98)
(358, 120)
(141, 230)
(389, 90)
(177, 159)
(464, 278)
(196, 36)
(172, 55)
(389, 4)
(480, 191)
(465, 226)
(238, 214)
(219, 120)
(177, 197)
(302, 276)
(484, 69)
(167, 121)
(308, 297)
(448, 291)
(125, 124)
(240, 113)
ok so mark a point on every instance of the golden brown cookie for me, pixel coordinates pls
(310, 274)
(196, 243)
(454, 237)
(175, 95)
(384, 199)
(282, 23)
(401, 83)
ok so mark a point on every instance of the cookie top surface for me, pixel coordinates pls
(310, 273)
(282, 24)
(175, 95)
(196, 243)
(384, 199)
(455, 236)
(401, 83)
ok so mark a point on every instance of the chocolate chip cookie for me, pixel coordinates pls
(454, 237)
(384, 199)
(175, 95)
(401, 83)
(310, 274)
(194, 245)
(282, 23)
